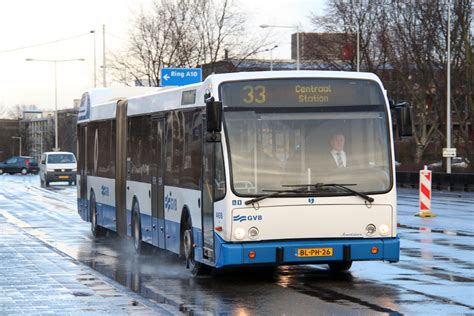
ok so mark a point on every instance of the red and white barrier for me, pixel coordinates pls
(425, 193)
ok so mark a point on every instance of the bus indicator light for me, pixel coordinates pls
(374, 250)
(252, 254)
(219, 228)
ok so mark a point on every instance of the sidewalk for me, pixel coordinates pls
(36, 279)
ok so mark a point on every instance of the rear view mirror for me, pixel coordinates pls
(391, 102)
(213, 116)
(404, 119)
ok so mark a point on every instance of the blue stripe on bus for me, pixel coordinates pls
(82, 209)
(106, 216)
(237, 254)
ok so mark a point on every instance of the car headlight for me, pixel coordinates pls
(384, 229)
(239, 233)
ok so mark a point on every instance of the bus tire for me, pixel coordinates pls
(97, 231)
(137, 229)
(188, 245)
(340, 266)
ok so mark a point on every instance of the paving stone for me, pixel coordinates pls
(36, 280)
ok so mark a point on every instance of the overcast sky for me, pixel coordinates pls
(28, 22)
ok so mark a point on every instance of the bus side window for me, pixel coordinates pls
(174, 148)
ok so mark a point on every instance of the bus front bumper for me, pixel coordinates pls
(289, 252)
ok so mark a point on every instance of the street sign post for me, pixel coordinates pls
(180, 76)
(449, 152)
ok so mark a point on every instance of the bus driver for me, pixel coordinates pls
(339, 158)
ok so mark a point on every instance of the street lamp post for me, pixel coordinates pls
(358, 48)
(55, 61)
(295, 27)
(271, 55)
(95, 60)
(448, 91)
(17, 137)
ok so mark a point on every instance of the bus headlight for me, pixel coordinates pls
(370, 229)
(253, 232)
(384, 229)
(239, 233)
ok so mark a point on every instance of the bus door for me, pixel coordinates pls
(82, 159)
(121, 167)
(157, 182)
(208, 177)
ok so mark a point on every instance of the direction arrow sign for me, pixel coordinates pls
(180, 76)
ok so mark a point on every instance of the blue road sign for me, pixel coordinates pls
(180, 76)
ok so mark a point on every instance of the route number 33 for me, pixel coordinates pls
(255, 94)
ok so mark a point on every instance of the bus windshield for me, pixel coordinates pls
(271, 146)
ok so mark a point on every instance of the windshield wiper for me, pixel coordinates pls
(272, 194)
(343, 186)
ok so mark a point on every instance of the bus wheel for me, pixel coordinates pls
(137, 229)
(97, 231)
(196, 268)
(340, 266)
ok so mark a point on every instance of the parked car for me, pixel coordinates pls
(19, 164)
(57, 166)
(456, 162)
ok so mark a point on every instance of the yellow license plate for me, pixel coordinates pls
(315, 252)
(63, 177)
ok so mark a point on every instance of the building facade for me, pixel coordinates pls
(10, 146)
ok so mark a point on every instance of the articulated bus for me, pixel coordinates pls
(238, 170)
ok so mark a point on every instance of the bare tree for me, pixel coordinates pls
(405, 43)
(349, 18)
(183, 33)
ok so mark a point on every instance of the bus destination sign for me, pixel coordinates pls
(301, 93)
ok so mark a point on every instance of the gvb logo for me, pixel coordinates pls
(243, 218)
(104, 190)
(171, 204)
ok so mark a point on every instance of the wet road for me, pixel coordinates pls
(434, 276)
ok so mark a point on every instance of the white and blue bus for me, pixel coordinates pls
(238, 170)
